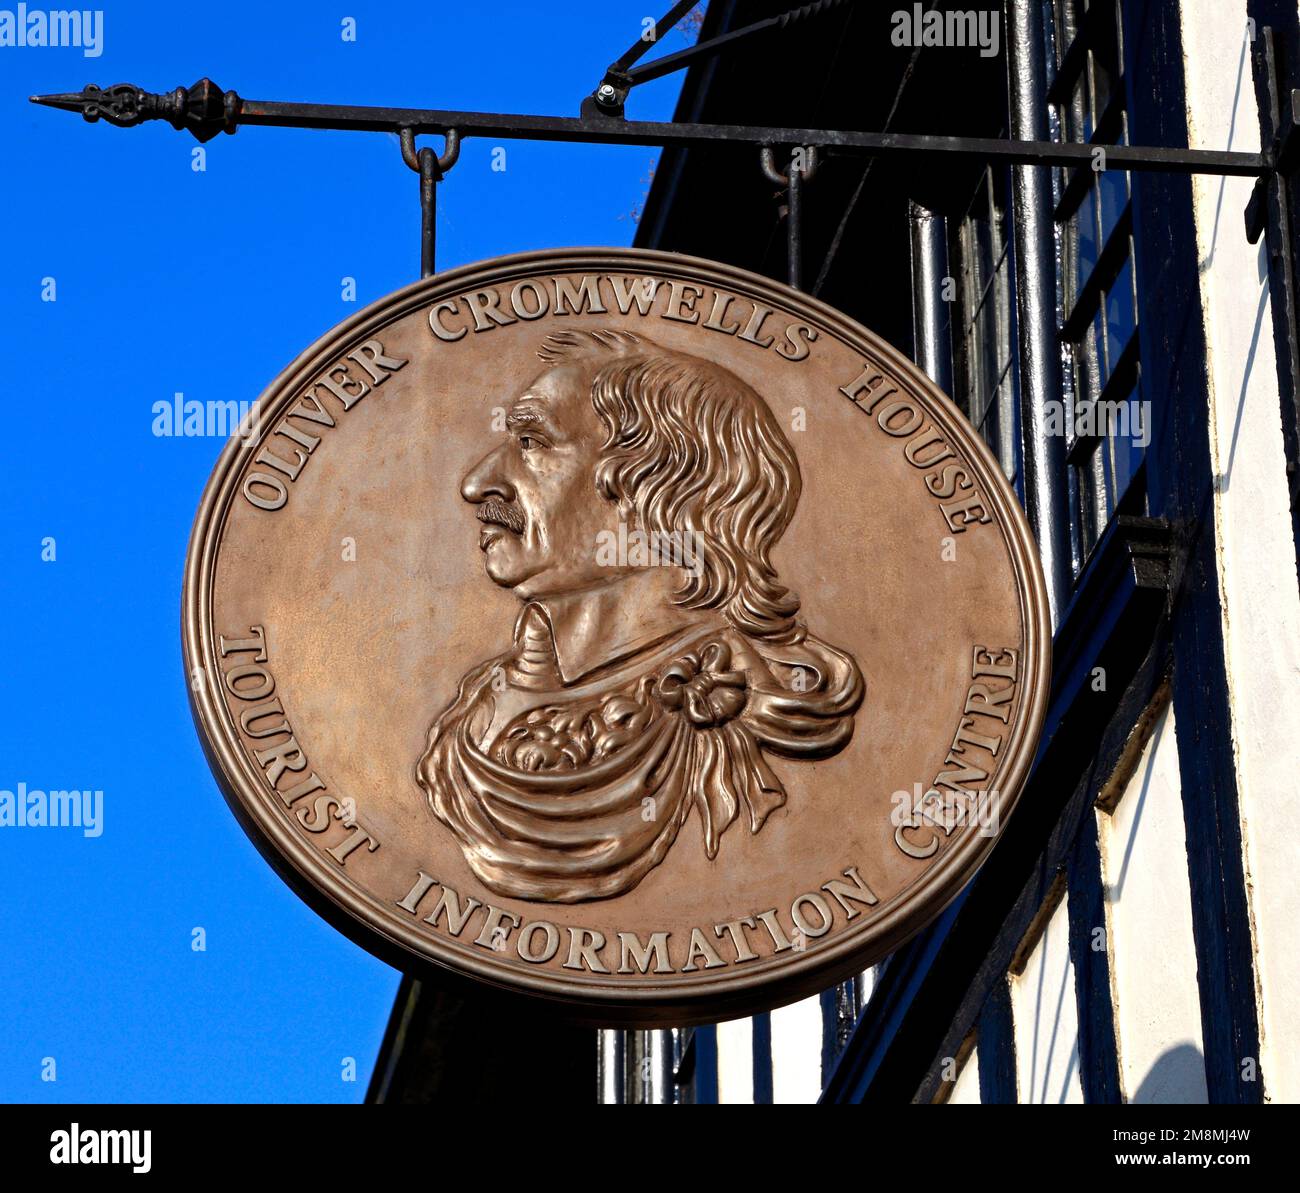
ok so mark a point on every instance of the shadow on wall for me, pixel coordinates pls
(1177, 1078)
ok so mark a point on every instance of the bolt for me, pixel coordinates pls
(606, 94)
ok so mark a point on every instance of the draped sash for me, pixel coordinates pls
(583, 790)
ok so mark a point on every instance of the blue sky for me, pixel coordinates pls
(170, 280)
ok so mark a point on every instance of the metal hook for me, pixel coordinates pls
(444, 163)
(431, 170)
(809, 167)
(793, 208)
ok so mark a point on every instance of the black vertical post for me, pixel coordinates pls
(1181, 481)
(706, 1064)
(997, 1048)
(1034, 246)
(762, 1033)
(1090, 955)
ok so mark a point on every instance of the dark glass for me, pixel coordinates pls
(1112, 194)
(1103, 58)
(1083, 510)
(1084, 224)
(1126, 451)
(1121, 315)
(1101, 86)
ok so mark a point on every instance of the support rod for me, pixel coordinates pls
(429, 176)
(126, 105)
(931, 318)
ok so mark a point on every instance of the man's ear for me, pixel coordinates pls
(605, 486)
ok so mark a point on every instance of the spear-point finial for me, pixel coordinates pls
(203, 108)
(70, 101)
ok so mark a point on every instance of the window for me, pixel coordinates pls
(1105, 418)
(984, 339)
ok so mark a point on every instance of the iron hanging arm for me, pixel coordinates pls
(207, 111)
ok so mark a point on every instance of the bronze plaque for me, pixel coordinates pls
(619, 628)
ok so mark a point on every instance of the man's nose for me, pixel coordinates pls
(485, 480)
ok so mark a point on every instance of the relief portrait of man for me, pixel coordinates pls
(657, 666)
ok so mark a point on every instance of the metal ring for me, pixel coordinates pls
(768, 159)
(448, 159)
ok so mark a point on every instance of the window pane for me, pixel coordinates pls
(1084, 235)
(1127, 444)
(1101, 87)
(1078, 111)
(1121, 316)
(1112, 189)
(987, 379)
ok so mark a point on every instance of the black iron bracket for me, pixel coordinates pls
(621, 76)
(611, 93)
(205, 110)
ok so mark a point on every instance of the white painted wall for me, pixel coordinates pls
(1149, 930)
(867, 984)
(1257, 566)
(1046, 1018)
(736, 1062)
(797, 1052)
(966, 1090)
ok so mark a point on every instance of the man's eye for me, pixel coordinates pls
(527, 442)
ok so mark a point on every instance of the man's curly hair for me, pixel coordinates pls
(694, 449)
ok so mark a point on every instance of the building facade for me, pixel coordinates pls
(1125, 343)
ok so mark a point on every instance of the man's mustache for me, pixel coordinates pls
(497, 513)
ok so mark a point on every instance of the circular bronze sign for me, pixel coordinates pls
(618, 628)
